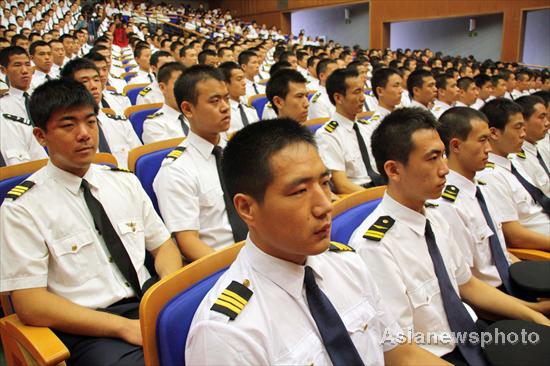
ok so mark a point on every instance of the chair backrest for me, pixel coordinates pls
(350, 211)
(258, 102)
(128, 75)
(132, 91)
(145, 162)
(179, 295)
(315, 123)
(138, 117)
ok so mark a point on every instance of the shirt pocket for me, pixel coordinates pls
(77, 258)
(423, 299)
(211, 197)
(310, 350)
(132, 234)
(17, 155)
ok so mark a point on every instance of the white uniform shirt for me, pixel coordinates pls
(339, 149)
(276, 326)
(58, 246)
(142, 77)
(17, 143)
(468, 226)
(415, 103)
(236, 120)
(13, 102)
(116, 82)
(39, 78)
(269, 112)
(370, 103)
(543, 146)
(163, 125)
(190, 195)
(251, 91)
(478, 104)
(120, 136)
(150, 94)
(404, 269)
(439, 108)
(320, 105)
(510, 200)
(529, 167)
(517, 94)
(405, 98)
(117, 102)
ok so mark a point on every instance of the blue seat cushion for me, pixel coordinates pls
(7, 184)
(259, 105)
(133, 93)
(175, 319)
(345, 224)
(147, 167)
(138, 118)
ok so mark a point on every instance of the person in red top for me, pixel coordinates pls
(119, 29)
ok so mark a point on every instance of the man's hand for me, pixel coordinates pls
(131, 332)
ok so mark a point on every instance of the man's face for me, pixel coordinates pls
(23, 43)
(449, 95)
(474, 152)
(295, 217)
(90, 79)
(522, 82)
(251, 68)
(227, 56)
(352, 102)
(42, 58)
(19, 71)
(160, 62)
(103, 72)
(168, 90)
(511, 139)
(391, 94)
(423, 177)
(500, 88)
(71, 138)
(328, 71)
(537, 125)
(58, 52)
(511, 84)
(486, 90)
(237, 84)
(296, 104)
(428, 92)
(293, 62)
(190, 58)
(211, 61)
(68, 45)
(143, 60)
(312, 69)
(468, 72)
(211, 113)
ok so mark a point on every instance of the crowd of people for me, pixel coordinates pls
(462, 145)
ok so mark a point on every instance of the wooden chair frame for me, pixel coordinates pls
(136, 153)
(357, 198)
(316, 121)
(132, 86)
(140, 107)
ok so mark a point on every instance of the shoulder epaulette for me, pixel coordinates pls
(489, 165)
(114, 92)
(176, 153)
(331, 126)
(117, 77)
(521, 154)
(430, 205)
(232, 300)
(116, 117)
(154, 115)
(315, 97)
(144, 91)
(117, 169)
(377, 231)
(450, 193)
(17, 119)
(339, 247)
(269, 105)
(363, 121)
(374, 118)
(2, 95)
(19, 190)
(481, 182)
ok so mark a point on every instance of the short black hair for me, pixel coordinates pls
(10, 51)
(380, 78)
(322, 65)
(278, 66)
(464, 82)
(499, 110)
(245, 56)
(203, 54)
(95, 57)
(527, 103)
(246, 159)
(184, 50)
(456, 122)
(227, 68)
(165, 72)
(545, 95)
(17, 37)
(416, 80)
(154, 60)
(58, 94)
(75, 65)
(442, 80)
(482, 79)
(336, 82)
(392, 139)
(278, 84)
(36, 44)
(185, 88)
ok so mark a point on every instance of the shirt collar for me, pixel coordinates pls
(383, 112)
(415, 103)
(500, 161)
(70, 181)
(529, 147)
(347, 123)
(233, 104)
(204, 147)
(462, 183)
(16, 92)
(442, 103)
(170, 112)
(414, 220)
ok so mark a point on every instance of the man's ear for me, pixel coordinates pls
(279, 102)
(40, 136)
(454, 145)
(495, 133)
(393, 170)
(246, 207)
(186, 109)
(338, 98)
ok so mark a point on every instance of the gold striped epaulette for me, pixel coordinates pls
(339, 247)
(154, 115)
(116, 117)
(450, 193)
(490, 165)
(377, 231)
(117, 169)
(315, 97)
(430, 205)
(481, 182)
(521, 154)
(176, 153)
(331, 126)
(232, 300)
(363, 121)
(144, 91)
(19, 190)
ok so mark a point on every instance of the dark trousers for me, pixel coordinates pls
(94, 351)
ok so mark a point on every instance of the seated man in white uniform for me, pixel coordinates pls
(266, 309)
(422, 89)
(77, 264)
(287, 93)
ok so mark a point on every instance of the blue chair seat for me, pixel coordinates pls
(138, 118)
(175, 319)
(133, 93)
(314, 128)
(259, 105)
(345, 224)
(147, 167)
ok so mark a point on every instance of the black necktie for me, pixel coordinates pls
(244, 119)
(238, 227)
(535, 193)
(255, 88)
(150, 77)
(112, 240)
(366, 106)
(48, 77)
(2, 161)
(541, 162)
(184, 126)
(458, 317)
(375, 178)
(494, 243)
(334, 334)
(103, 145)
(27, 100)
(104, 103)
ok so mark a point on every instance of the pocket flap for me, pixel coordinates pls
(72, 244)
(129, 226)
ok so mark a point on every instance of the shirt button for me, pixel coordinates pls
(74, 248)
(110, 259)
(365, 327)
(127, 284)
